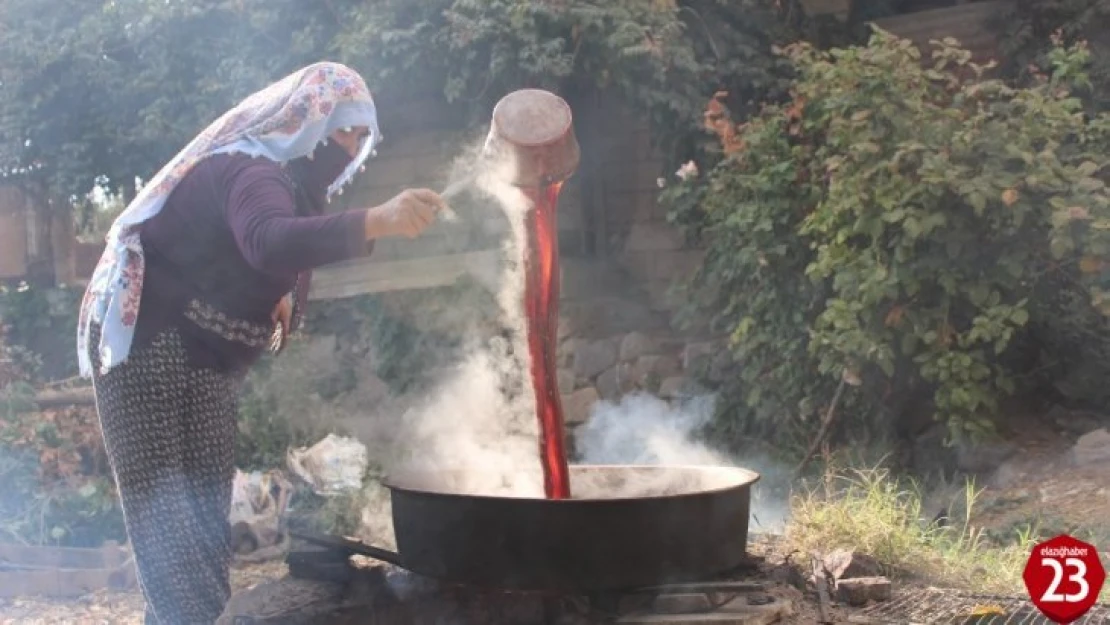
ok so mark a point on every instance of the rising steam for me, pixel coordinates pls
(645, 430)
(478, 428)
(476, 432)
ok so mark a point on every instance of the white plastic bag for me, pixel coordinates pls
(331, 467)
(258, 504)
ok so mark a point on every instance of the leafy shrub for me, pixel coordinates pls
(40, 329)
(282, 405)
(1029, 31)
(355, 355)
(58, 487)
(893, 227)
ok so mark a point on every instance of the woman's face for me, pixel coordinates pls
(350, 138)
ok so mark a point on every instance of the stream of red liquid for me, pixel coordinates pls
(541, 307)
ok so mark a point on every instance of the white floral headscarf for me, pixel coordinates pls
(282, 122)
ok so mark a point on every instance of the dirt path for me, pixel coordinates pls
(1042, 487)
(112, 608)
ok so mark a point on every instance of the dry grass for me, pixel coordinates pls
(871, 511)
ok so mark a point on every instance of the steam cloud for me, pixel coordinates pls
(477, 431)
(644, 430)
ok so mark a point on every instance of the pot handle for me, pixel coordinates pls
(355, 547)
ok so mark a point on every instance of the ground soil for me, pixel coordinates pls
(113, 607)
(1038, 486)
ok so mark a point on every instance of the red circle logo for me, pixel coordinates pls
(1064, 577)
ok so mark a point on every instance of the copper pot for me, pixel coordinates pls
(533, 130)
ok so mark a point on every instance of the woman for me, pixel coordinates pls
(204, 270)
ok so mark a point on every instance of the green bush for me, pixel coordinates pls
(40, 329)
(1029, 31)
(894, 226)
(350, 349)
(58, 487)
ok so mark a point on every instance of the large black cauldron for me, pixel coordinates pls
(627, 527)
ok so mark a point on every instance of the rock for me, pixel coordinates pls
(1008, 474)
(859, 591)
(647, 372)
(564, 355)
(719, 366)
(608, 384)
(846, 564)
(602, 317)
(565, 328)
(697, 355)
(678, 387)
(653, 237)
(1074, 422)
(566, 380)
(930, 456)
(985, 456)
(787, 573)
(629, 378)
(577, 405)
(659, 367)
(371, 388)
(286, 598)
(591, 359)
(1092, 447)
(637, 344)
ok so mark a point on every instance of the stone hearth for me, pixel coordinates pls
(328, 586)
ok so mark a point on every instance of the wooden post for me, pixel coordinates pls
(63, 246)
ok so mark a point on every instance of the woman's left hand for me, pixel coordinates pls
(283, 313)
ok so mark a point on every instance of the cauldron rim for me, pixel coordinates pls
(745, 479)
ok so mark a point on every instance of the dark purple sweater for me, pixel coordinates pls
(230, 243)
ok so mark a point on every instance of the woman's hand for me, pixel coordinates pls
(406, 214)
(283, 313)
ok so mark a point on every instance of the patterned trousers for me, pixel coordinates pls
(169, 430)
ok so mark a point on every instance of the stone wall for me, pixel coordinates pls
(425, 158)
(659, 364)
(36, 244)
(969, 23)
(619, 254)
(613, 204)
(13, 233)
(639, 238)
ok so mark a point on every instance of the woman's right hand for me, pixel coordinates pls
(406, 214)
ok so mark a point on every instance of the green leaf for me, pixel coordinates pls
(1087, 168)
(1091, 184)
(978, 202)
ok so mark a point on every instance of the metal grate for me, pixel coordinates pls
(927, 606)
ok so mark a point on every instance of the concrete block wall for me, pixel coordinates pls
(640, 239)
(426, 159)
(623, 167)
(642, 255)
(418, 159)
(13, 233)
